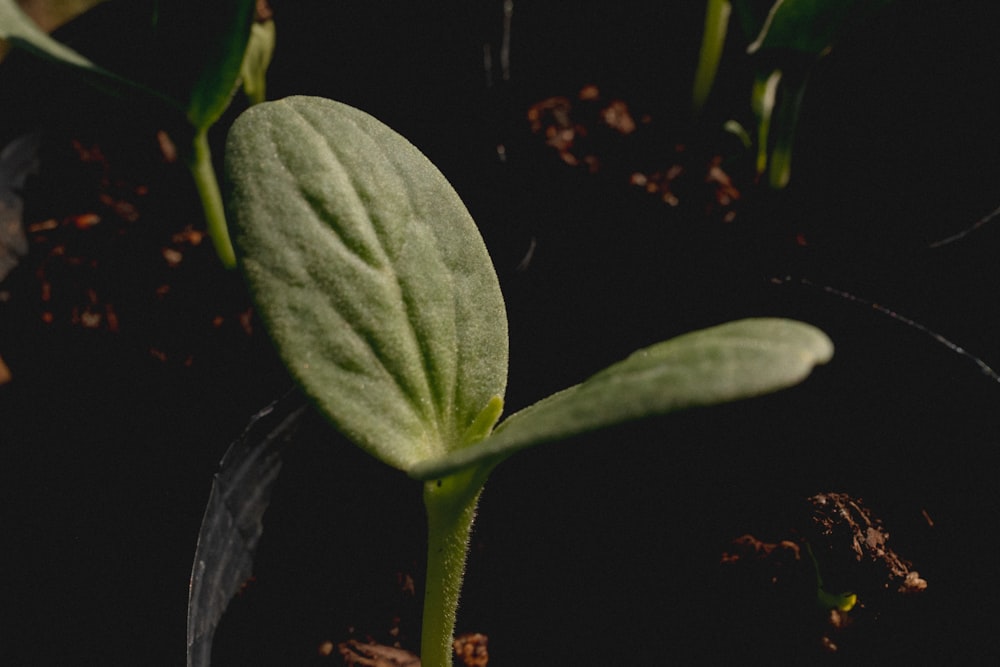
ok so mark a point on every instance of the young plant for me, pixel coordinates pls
(211, 47)
(378, 291)
(785, 41)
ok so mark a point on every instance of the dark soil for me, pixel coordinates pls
(135, 359)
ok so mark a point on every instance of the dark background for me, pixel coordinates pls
(599, 551)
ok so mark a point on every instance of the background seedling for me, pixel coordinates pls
(198, 54)
(784, 40)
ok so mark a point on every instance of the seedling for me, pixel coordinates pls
(380, 296)
(785, 41)
(197, 90)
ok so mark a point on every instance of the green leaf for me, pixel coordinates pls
(256, 60)
(206, 43)
(50, 14)
(809, 26)
(202, 46)
(724, 363)
(370, 275)
(22, 32)
(712, 44)
(19, 29)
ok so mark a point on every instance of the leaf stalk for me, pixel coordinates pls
(451, 508)
(205, 180)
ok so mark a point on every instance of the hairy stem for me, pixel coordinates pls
(200, 164)
(451, 507)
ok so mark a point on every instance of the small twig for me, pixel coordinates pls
(965, 232)
(957, 349)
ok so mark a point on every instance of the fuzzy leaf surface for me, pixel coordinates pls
(370, 275)
(724, 363)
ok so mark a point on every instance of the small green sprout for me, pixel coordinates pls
(840, 601)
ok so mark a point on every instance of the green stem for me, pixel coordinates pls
(716, 26)
(786, 120)
(205, 180)
(765, 87)
(451, 507)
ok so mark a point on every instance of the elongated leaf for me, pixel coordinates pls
(724, 363)
(712, 43)
(19, 28)
(256, 60)
(809, 26)
(203, 44)
(233, 521)
(370, 275)
(50, 14)
(22, 32)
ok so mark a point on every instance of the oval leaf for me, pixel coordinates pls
(724, 363)
(370, 275)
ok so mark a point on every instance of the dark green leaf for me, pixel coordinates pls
(22, 32)
(204, 44)
(809, 26)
